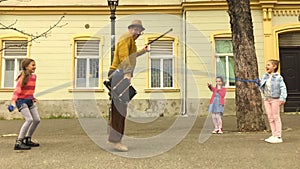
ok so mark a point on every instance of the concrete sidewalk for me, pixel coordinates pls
(165, 142)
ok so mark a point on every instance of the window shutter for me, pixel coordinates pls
(87, 48)
(15, 48)
(289, 39)
(162, 48)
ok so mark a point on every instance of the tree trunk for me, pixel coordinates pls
(248, 97)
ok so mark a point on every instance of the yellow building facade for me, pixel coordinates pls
(74, 57)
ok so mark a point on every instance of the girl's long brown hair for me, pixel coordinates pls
(25, 73)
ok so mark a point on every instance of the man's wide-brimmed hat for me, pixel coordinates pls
(136, 23)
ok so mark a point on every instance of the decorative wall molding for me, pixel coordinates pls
(287, 12)
(269, 8)
(267, 13)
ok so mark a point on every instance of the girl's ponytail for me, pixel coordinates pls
(25, 73)
(26, 77)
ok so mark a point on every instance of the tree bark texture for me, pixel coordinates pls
(248, 97)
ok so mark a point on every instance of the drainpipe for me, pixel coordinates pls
(184, 101)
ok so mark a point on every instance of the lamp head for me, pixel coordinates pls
(113, 4)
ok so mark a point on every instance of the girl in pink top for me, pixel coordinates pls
(216, 106)
(23, 99)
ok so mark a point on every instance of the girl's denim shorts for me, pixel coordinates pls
(24, 103)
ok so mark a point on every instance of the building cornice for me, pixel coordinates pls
(53, 10)
(89, 10)
(277, 5)
(208, 5)
(279, 8)
(213, 5)
(286, 12)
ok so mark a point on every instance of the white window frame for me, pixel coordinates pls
(162, 58)
(226, 55)
(16, 65)
(88, 58)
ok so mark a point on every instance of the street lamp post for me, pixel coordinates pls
(113, 6)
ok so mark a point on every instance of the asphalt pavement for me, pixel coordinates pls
(164, 142)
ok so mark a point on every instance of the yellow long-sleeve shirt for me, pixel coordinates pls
(125, 54)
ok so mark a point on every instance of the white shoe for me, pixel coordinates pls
(121, 147)
(274, 140)
(118, 146)
(269, 138)
(220, 131)
(215, 131)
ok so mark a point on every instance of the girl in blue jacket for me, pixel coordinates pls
(275, 93)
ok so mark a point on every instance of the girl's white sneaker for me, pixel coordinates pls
(273, 139)
(269, 138)
(215, 132)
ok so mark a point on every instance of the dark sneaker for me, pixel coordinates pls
(21, 146)
(28, 142)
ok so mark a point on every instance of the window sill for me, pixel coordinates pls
(7, 89)
(161, 90)
(86, 90)
(230, 89)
